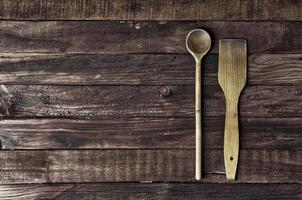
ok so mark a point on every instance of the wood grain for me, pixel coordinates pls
(96, 102)
(232, 75)
(151, 10)
(142, 37)
(256, 166)
(73, 113)
(151, 133)
(153, 191)
(198, 43)
(139, 69)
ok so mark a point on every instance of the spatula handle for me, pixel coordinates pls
(231, 138)
(198, 120)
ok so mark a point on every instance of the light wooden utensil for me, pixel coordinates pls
(198, 43)
(232, 75)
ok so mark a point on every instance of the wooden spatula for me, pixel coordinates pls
(232, 74)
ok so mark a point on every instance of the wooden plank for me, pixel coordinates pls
(151, 10)
(139, 69)
(151, 133)
(153, 191)
(142, 101)
(144, 165)
(142, 37)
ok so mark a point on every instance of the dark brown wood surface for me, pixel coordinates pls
(108, 102)
(139, 69)
(93, 109)
(146, 133)
(151, 10)
(158, 165)
(116, 191)
(112, 37)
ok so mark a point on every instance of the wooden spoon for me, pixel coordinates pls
(232, 75)
(198, 43)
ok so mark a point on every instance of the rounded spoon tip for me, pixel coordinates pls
(198, 42)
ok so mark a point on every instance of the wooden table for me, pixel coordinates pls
(97, 100)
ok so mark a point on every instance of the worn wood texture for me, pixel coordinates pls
(142, 101)
(256, 166)
(198, 43)
(139, 69)
(142, 37)
(151, 10)
(134, 122)
(151, 133)
(232, 75)
(153, 191)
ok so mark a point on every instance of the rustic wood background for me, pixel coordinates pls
(97, 100)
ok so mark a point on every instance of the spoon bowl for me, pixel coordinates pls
(198, 43)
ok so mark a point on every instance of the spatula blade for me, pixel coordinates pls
(232, 71)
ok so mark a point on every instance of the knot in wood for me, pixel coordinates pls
(165, 91)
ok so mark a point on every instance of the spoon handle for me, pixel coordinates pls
(198, 120)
